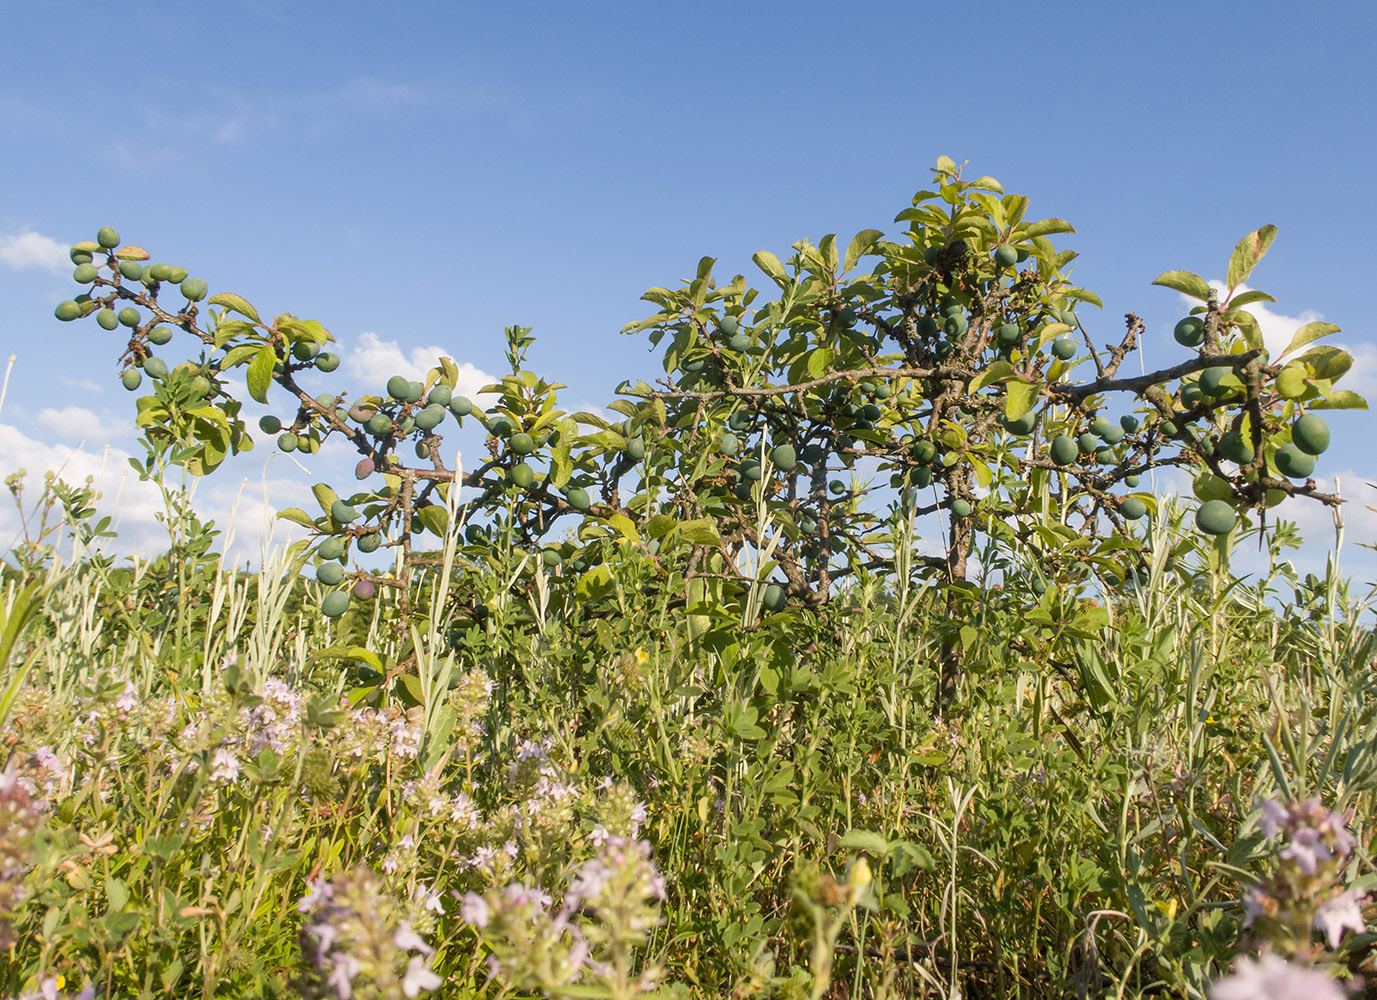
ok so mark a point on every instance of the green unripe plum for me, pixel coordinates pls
(955, 325)
(159, 272)
(160, 335)
(522, 443)
(414, 392)
(422, 449)
(1236, 448)
(79, 256)
(522, 476)
(194, 289)
(1310, 434)
(398, 386)
(837, 487)
(846, 318)
(342, 513)
(1211, 379)
(1099, 426)
(930, 255)
(440, 395)
(131, 269)
(335, 604)
(635, 449)
(740, 343)
(728, 325)
(1069, 318)
(578, 498)
(1006, 256)
(329, 573)
(131, 379)
(750, 469)
(922, 477)
(287, 441)
(1063, 449)
(784, 457)
(155, 367)
(129, 316)
(1087, 443)
(550, 558)
(1132, 481)
(1113, 434)
(960, 507)
(200, 386)
(378, 424)
(1007, 334)
(305, 350)
(108, 237)
(67, 311)
(883, 391)
(460, 406)
(1169, 428)
(1190, 332)
(774, 597)
(1294, 463)
(1216, 517)
(742, 490)
(1105, 456)
(924, 451)
(950, 306)
(364, 590)
(176, 275)
(871, 412)
(1132, 508)
(327, 362)
(369, 542)
(406, 426)
(740, 420)
(1128, 422)
(107, 319)
(1191, 394)
(500, 426)
(430, 416)
(1064, 348)
(1023, 425)
(730, 445)
(332, 548)
(927, 327)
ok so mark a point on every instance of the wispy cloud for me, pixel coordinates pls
(76, 423)
(379, 359)
(30, 249)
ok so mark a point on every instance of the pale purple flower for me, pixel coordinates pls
(128, 699)
(320, 891)
(1343, 912)
(599, 835)
(1306, 849)
(325, 935)
(474, 910)
(1273, 978)
(46, 759)
(224, 767)
(342, 975)
(418, 977)
(408, 940)
(1274, 815)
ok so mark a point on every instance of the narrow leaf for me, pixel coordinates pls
(770, 264)
(1186, 283)
(859, 246)
(236, 302)
(1246, 255)
(1307, 333)
(260, 374)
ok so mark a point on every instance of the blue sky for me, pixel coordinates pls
(422, 176)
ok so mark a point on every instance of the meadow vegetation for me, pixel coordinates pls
(679, 705)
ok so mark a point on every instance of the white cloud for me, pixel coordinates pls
(33, 250)
(76, 423)
(84, 384)
(243, 512)
(376, 358)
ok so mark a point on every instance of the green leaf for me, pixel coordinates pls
(1046, 227)
(1292, 381)
(770, 264)
(595, 583)
(297, 516)
(1251, 249)
(701, 531)
(325, 496)
(1247, 298)
(435, 518)
(865, 840)
(353, 653)
(238, 355)
(993, 373)
(1083, 295)
(1307, 333)
(860, 244)
(1340, 399)
(260, 374)
(624, 526)
(819, 362)
(1247, 325)
(235, 302)
(1021, 398)
(1186, 283)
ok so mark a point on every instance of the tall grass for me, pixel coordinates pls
(233, 796)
